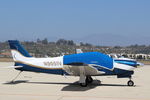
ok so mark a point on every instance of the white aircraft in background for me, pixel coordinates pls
(81, 64)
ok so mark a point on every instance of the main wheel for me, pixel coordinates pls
(89, 79)
(130, 83)
(83, 84)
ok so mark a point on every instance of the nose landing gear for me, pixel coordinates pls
(130, 82)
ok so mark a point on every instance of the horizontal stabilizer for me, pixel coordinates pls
(12, 67)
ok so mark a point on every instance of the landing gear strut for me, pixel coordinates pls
(84, 80)
(87, 80)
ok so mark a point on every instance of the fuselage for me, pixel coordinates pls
(61, 65)
(83, 65)
(87, 64)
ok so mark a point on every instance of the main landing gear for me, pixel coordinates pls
(130, 83)
(88, 80)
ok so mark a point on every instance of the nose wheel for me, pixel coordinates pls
(130, 83)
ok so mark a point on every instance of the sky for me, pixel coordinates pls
(99, 22)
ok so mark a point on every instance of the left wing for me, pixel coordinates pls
(78, 68)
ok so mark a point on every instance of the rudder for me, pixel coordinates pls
(15, 45)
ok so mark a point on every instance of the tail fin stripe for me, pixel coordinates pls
(14, 44)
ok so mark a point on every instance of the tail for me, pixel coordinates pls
(17, 50)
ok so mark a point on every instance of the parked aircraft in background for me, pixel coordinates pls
(84, 65)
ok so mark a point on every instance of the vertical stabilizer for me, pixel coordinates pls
(17, 50)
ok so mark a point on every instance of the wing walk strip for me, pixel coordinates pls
(36, 66)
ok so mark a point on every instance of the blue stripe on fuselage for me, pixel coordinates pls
(119, 72)
(40, 70)
(126, 62)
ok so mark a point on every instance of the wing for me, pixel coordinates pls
(77, 68)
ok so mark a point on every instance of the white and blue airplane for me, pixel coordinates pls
(83, 65)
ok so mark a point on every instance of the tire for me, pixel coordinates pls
(83, 84)
(89, 79)
(130, 83)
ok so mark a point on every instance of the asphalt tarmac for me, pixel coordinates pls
(39, 86)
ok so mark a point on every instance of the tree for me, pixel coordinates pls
(38, 40)
(45, 41)
(139, 57)
(70, 42)
(61, 42)
(81, 44)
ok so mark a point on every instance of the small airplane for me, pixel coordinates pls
(84, 65)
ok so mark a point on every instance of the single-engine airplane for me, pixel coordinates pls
(84, 65)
